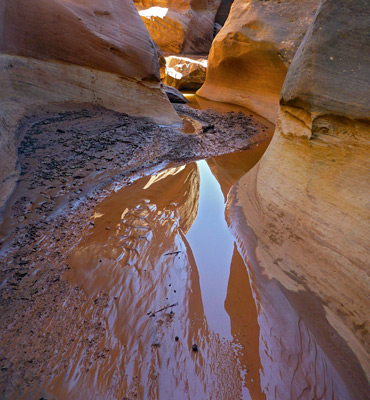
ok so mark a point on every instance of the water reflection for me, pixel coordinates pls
(161, 252)
(212, 244)
(164, 241)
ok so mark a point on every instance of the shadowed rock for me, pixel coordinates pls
(306, 200)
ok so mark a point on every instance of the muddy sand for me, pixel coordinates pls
(69, 161)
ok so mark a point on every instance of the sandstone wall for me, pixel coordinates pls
(223, 11)
(69, 51)
(307, 199)
(180, 26)
(250, 56)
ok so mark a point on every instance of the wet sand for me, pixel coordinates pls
(117, 258)
(69, 161)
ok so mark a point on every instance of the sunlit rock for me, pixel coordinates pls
(185, 72)
(307, 199)
(250, 56)
(70, 51)
(180, 27)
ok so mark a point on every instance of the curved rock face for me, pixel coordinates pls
(337, 79)
(250, 56)
(63, 51)
(105, 35)
(307, 200)
(180, 26)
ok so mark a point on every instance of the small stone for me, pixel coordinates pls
(195, 347)
(176, 338)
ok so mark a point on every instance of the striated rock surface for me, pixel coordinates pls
(250, 56)
(185, 72)
(105, 35)
(97, 53)
(180, 26)
(307, 199)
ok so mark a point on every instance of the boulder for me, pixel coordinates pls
(180, 26)
(97, 52)
(185, 72)
(307, 202)
(174, 95)
(250, 56)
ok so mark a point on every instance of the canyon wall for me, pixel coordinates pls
(184, 26)
(57, 52)
(251, 54)
(307, 200)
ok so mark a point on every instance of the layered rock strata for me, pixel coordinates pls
(96, 53)
(250, 56)
(307, 199)
(180, 26)
(185, 72)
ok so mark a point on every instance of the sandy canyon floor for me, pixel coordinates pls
(65, 336)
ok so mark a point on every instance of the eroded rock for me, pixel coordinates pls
(174, 95)
(250, 56)
(97, 53)
(180, 27)
(306, 201)
(185, 72)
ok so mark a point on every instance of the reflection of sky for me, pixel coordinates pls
(212, 244)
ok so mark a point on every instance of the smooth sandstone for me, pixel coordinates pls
(174, 95)
(180, 26)
(307, 199)
(250, 56)
(106, 35)
(97, 52)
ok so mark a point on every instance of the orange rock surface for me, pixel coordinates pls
(180, 26)
(307, 199)
(185, 72)
(250, 56)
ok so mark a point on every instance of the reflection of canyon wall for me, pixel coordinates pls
(68, 51)
(136, 264)
(250, 56)
(142, 263)
(307, 199)
(180, 26)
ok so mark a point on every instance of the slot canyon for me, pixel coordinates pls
(185, 199)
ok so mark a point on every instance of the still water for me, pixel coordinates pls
(163, 252)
